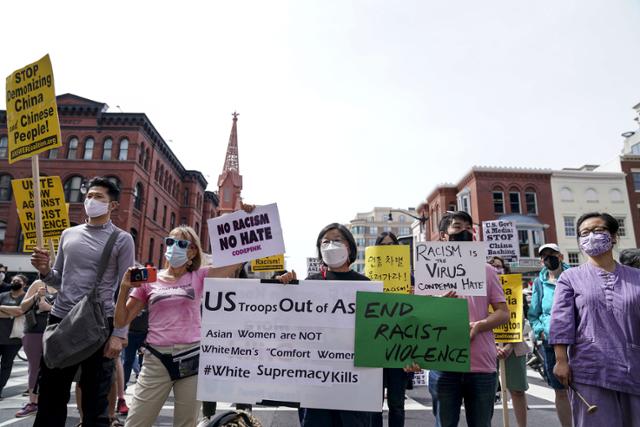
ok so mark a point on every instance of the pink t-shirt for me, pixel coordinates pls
(483, 345)
(174, 308)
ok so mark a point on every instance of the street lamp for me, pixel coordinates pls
(423, 219)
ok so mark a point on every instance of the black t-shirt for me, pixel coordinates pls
(6, 324)
(336, 275)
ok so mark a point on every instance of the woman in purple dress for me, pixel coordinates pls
(595, 329)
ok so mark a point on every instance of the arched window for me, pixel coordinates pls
(124, 149)
(3, 232)
(591, 195)
(134, 235)
(107, 147)
(172, 221)
(147, 156)
(88, 149)
(72, 149)
(115, 180)
(161, 175)
(616, 195)
(164, 216)
(186, 197)
(4, 146)
(53, 153)
(566, 195)
(166, 180)
(5, 188)
(137, 196)
(141, 156)
(72, 192)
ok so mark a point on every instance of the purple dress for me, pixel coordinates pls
(597, 314)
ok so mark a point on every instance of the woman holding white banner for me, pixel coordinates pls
(173, 340)
(337, 249)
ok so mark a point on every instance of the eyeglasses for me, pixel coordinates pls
(170, 241)
(596, 230)
(326, 242)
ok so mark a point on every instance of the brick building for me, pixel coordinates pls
(158, 192)
(630, 166)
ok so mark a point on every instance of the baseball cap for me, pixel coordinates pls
(554, 247)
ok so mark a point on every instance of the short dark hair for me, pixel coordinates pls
(112, 188)
(24, 279)
(385, 234)
(630, 257)
(505, 266)
(346, 234)
(611, 222)
(446, 220)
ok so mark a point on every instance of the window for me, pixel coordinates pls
(591, 195)
(636, 181)
(465, 203)
(107, 146)
(134, 235)
(360, 242)
(183, 220)
(361, 255)
(635, 149)
(172, 221)
(373, 230)
(161, 254)
(386, 228)
(164, 216)
(88, 149)
(622, 232)
(137, 196)
(538, 240)
(197, 227)
(114, 180)
(53, 153)
(3, 231)
(141, 156)
(155, 208)
(573, 258)
(72, 189)
(531, 202)
(569, 226)
(186, 196)
(4, 147)
(404, 231)
(5, 188)
(372, 242)
(152, 242)
(161, 175)
(616, 195)
(498, 202)
(523, 237)
(514, 202)
(72, 150)
(155, 175)
(566, 195)
(146, 159)
(358, 229)
(402, 218)
(124, 149)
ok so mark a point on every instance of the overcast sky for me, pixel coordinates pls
(349, 105)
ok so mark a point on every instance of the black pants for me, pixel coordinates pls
(8, 352)
(55, 385)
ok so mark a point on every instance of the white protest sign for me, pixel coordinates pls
(441, 267)
(291, 343)
(314, 266)
(501, 238)
(241, 236)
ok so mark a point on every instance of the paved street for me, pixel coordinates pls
(418, 405)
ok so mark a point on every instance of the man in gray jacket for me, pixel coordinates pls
(74, 274)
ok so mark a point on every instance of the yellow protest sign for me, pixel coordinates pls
(511, 331)
(55, 216)
(32, 114)
(391, 265)
(270, 263)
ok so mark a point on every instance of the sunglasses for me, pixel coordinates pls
(170, 241)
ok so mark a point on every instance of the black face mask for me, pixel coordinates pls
(552, 262)
(16, 286)
(463, 236)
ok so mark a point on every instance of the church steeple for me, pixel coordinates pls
(230, 180)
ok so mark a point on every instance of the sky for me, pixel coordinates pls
(346, 105)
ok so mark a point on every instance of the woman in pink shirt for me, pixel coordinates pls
(174, 329)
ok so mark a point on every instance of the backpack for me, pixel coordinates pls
(234, 419)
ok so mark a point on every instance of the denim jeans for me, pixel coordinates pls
(335, 418)
(395, 381)
(130, 352)
(450, 389)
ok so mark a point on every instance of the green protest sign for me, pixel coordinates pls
(395, 330)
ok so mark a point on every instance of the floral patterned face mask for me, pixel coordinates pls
(595, 244)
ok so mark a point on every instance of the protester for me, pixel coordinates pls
(393, 379)
(544, 287)
(596, 317)
(74, 274)
(10, 314)
(5, 284)
(173, 302)
(630, 257)
(515, 360)
(476, 388)
(36, 305)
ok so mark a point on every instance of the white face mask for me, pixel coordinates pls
(1, 277)
(95, 208)
(334, 254)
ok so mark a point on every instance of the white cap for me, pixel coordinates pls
(554, 247)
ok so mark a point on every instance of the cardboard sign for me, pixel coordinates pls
(501, 238)
(393, 331)
(55, 216)
(270, 263)
(391, 264)
(511, 331)
(314, 266)
(291, 343)
(441, 267)
(32, 113)
(241, 236)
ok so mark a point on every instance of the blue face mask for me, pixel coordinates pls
(176, 256)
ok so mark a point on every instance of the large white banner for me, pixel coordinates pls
(441, 267)
(288, 343)
(241, 236)
(501, 238)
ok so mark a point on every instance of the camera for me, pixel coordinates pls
(143, 274)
